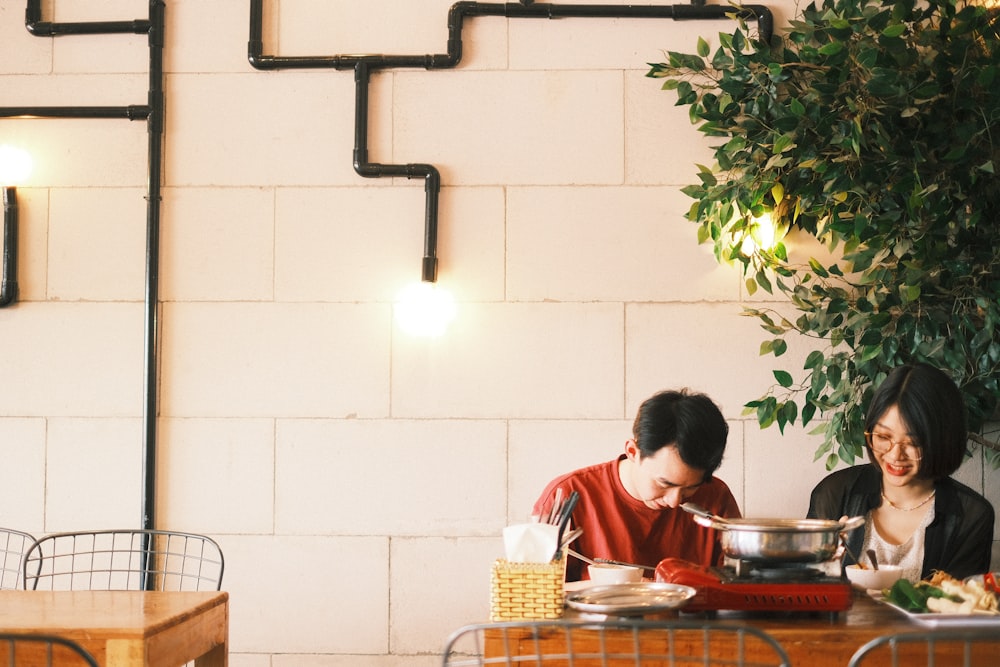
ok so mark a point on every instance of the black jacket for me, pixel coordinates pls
(958, 541)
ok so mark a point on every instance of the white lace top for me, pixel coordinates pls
(909, 555)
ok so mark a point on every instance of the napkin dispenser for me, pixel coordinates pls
(528, 583)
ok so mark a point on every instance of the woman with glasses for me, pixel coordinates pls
(917, 516)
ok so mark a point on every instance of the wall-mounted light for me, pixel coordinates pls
(764, 234)
(424, 309)
(15, 166)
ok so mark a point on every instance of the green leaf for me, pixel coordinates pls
(783, 143)
(818, 268)
(784, 378)
(808, 411)
(894, 30)
(831, 49)
(814, 360)
(909, 293)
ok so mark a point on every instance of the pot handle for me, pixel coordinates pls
(852, 523)
(697, 509)
(703, 517)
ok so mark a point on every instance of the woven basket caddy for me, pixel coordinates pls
(527, 590)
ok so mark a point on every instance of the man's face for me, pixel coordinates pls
(662, 480)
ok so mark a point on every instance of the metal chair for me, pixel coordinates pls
(13, 544)
(118, 560)
(612, 643)
(969, 647)
(18, 650)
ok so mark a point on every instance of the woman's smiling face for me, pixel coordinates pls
(897, 468)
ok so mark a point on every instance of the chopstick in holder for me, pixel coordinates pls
(556, 506)
(565, 513)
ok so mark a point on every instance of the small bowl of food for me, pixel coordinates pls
(611, 573)
(868, 578)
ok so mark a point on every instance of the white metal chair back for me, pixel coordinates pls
(119, 560)
(612, 643)
(13, 545)
(968, 647)
(20, 650)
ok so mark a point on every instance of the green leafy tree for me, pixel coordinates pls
(872, 126)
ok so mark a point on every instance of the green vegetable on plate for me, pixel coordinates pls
(913, 597)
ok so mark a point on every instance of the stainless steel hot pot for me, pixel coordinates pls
(777, 540)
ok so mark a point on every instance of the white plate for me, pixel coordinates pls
(630, 599)
(936, 620)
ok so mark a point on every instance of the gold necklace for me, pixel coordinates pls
(909, 509)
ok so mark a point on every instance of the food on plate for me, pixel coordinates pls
(943, 594)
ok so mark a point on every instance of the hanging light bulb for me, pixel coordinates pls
(765, 234)
(425, 309)
(15, 165)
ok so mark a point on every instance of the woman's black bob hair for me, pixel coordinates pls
(931, 406)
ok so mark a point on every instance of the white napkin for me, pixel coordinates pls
(531, 542)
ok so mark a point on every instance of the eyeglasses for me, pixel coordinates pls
(883, 444)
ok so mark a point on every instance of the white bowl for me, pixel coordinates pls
(868, 579)
(608, 573)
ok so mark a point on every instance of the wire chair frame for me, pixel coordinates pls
(13, 545)
(42, 651)
(612, 643)
(129, 559)
(940, 647)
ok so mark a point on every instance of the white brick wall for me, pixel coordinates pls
(356, 478)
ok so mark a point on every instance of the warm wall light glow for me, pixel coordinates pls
(15, 165)
(425, 309)
(764, 235)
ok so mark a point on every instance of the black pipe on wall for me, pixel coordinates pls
(153, 199)
(8, 285)
(152, 112)
(135, 112)
(363, 65)
(36, 26)
(430, 174)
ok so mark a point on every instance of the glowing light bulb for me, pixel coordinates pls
(764, 234)
(15, 165)
(425, 309)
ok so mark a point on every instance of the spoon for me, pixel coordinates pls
(861, 566)
(605, 561)
(575, 554)
(608, 561)
(872, 558)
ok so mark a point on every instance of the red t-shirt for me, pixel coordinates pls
(617, 526)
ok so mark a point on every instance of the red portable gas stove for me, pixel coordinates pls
(746, 586)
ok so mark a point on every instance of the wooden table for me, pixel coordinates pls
(825, 639)
(127, 628)
(810, 640)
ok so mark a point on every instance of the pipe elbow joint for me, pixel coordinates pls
(765, 20)
(255, 50)
(8, 293)
(39, 28)
(367, 169)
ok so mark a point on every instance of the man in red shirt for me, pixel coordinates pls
(629, 508)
